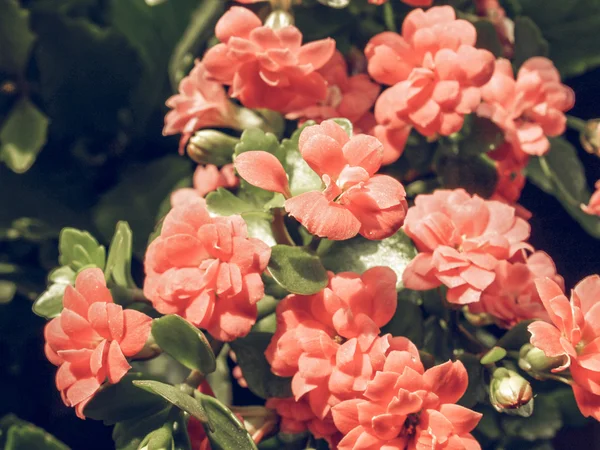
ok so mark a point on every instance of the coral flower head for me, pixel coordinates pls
(91, 339)
(267, 68)
(206, 179)
(355, 199)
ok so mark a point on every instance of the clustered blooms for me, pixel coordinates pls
(461, 239)
(355, 199)
(529, 108)
(435, 73)
(574, 335)
(91, 338)
(207, 270)
(267, 68)
(206, 179)
(349, 379)
(200, 103)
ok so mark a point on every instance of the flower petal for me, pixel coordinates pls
(263, 170)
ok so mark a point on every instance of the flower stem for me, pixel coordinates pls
(280, 232)
(576, 123)
(388, 16)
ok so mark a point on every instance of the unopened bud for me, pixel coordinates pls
(161, 439)
(510, 393)
(590, 137)
(477, 319)
(211, 147)
(534, 361)
(279, 19)
(339, 4)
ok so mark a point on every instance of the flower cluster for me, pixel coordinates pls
(573, 335)
(352, 385)
(207, 270)
(91, 338)
(206, 179)
(355, 199)
(435, 73)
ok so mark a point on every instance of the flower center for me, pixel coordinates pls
(410, 424)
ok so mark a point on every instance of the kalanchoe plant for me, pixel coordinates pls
(350, 241)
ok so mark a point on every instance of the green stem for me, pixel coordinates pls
(388, 16)
(280, 232)
(576, 123)
(191, 383)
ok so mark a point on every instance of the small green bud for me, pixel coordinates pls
(335, 3)
(510, 393)
(534, 361)
(211, 147)
(279, 19)
(590, 137)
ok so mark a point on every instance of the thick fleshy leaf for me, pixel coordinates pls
(16, 434)
(16, 39)
(118, 263)
(494, 355)
(263, 170)
(184, 342)
(250, 353)
(225, 203)
(297, 270)
(79, 249)
(50, 303)
(529, 41)
(224, 430)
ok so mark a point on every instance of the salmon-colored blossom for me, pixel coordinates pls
(435, 72)
(267, 68)
(529, 108)
(593, 207)
(354, 200)
(207, 270)
(350, 97)
(407, 407)
(574, 335)
(511, 177)
(200, 103)
(327, 341)
(206, 179)
(461, 239)
(91, 338)
(513, 297)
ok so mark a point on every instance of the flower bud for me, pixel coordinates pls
(478, 319)
(534, 361)
(159, 439)
(279, 19)
(211, 147)
(339, 4)
(510, 393)
(590, 137)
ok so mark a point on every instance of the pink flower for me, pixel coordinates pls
(355, 200)
(347, 96)
(435, 72)
(328, 342)
(511, 179)
(513, 297)
(206, 270)
(461, 240)
(593, 207)
(407, 407)
(574, 335)
(200, 103)
(529, 108)
(206, 179)
(267, 68)
(91, 338)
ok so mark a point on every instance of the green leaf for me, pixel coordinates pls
(50, 303)
(359, 254)
(259, 226)
(220, 379)
(494, 355)
(118, 263)
(79, 249)
(345, 124)
(407, 321)
(225, 203)
(476, 389)
(123, 401)
(487, 37)
(483, 136)
(250, 353)
(184, 342)
(174, 396)
(227, 432)
(256, 139)
(577, 19)
(561, 173)
(129, 434)
(22, 136)
(16, 38)
(297, 270)
(542, 424)
(516, 337)
(529, 41)
(20, 435)
(86, 73)
(301, 177)
(8, 289)
(136, 198)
